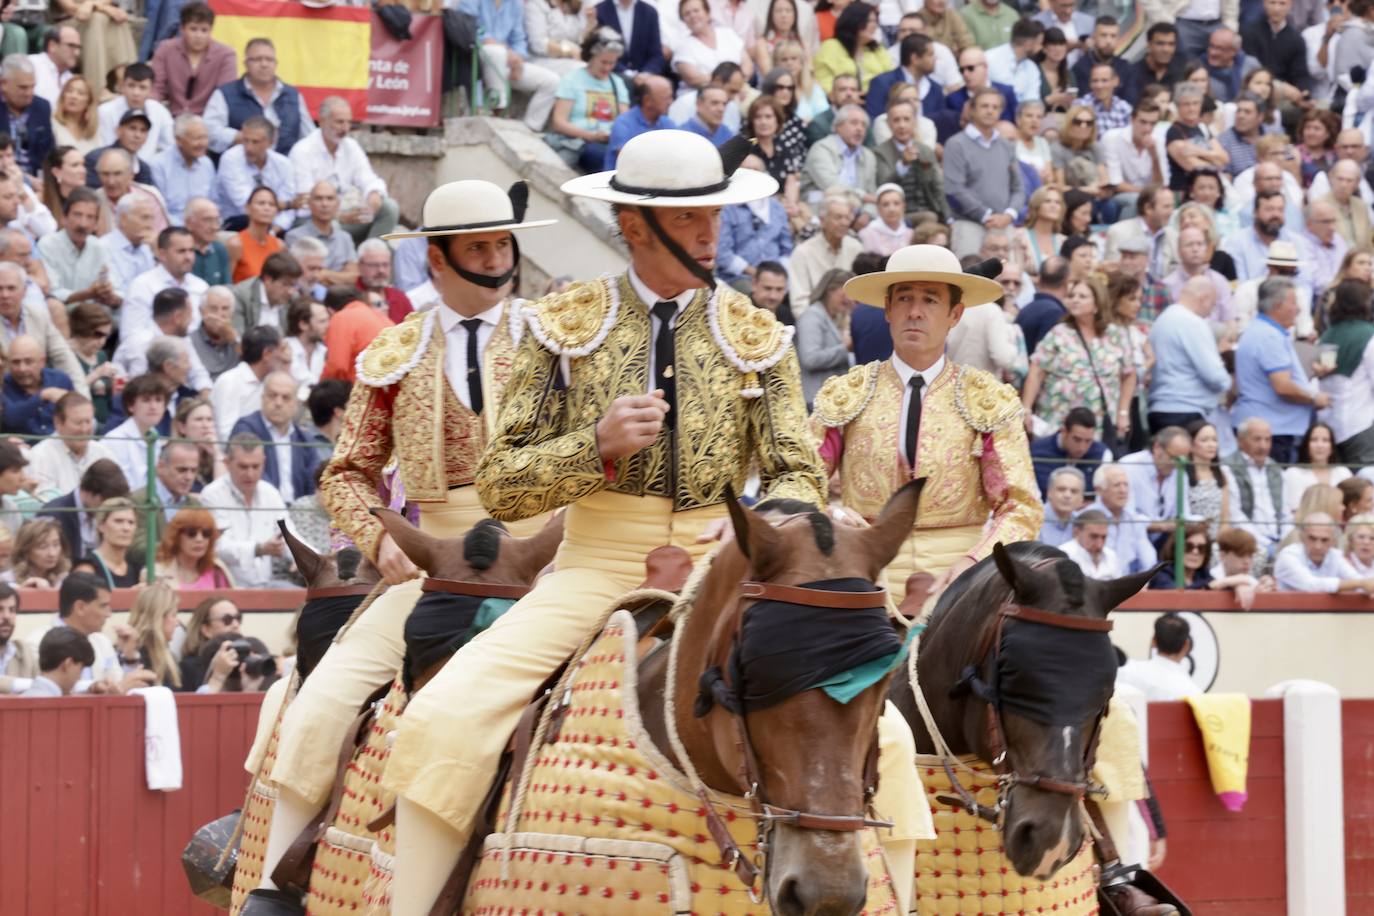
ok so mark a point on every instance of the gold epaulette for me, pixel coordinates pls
(396, 350)
(752, 338)
(577, 320)
(985, 403)
(843, 397)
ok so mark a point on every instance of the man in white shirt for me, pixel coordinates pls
(1089, 546)
(247, 509)
(145, 402)
(64, 655)
(83, 603)
(78, 263)
(251, 164)
(308, 321)
(330, 154)
(134, 95)
(1312, 566)
(58, 463)
(127, 243)
(1259, 497)
(237, 391)
(1154, 477)
(171, 319)
(1163, 677)
(176, 255)
(57, 63)
(1012, 63)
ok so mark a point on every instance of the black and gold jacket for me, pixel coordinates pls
(739, 405)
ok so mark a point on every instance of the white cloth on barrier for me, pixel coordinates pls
(161, 739)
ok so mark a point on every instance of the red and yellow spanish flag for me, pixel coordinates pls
(322, 52)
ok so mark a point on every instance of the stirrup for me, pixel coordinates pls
(271, 902)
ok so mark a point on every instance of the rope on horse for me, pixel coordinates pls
(377, 591)
(941, 747)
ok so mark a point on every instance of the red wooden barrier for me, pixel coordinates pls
(1357, 731)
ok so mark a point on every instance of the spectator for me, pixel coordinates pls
(114, 562)
(1352, 210)
(1236, 549)
(18, 660)
(1194, 262)
(12, 480)
(1164, 677)
(264, 299)
(63, 172)
(176, 471)
(63, 655)
(889, 231)
(1154, 477)
(1239, 139)
(1013, 62)
(983, 339)
(374, 280)
(1128, 532)
(195, 421)
(1073, 443)
(589, 99)
(212, 257)
(916, 67)
(1088, 548)
(24, 116)
(1190, 143)
(250, 247)
(1047, 308)
(17, 317)
(504, 54)
(982, 177)
(341, 259)
(331, 154)
(1359, 550)
(1270, 378)
(251, 165)
(145, 403)
(652, 94)
(639, 28)
(824, 345)
(74, 119)
(831, 248)
(353, 324)
(246, 509)
(855, 49)
(1279, 49)
(1317, 142)
(842, 159)
(216, 341)
(1155, 205)
(39, 560)
(1209, 490)
(188, 67)
(182, 171)
(779, 141)
(1327, 247)
(31, 389)
(134, 90)
(289, 464)
(58, 463)
(1351, 385)
(154, 618)
(130, 134)
(169, 359)
(307, 322)
(727, 76)
(1058, 87)
(241, 386)
(1063, 499)
(1040, 237)
(770, 290)
(176, 255)
(226, 666)
(989, 22)
(214, 617)
(165, 341)
(751, 234)
(1077, 27)
(118, 187)
(326, 403)
(16, 246)
(1350, 144)
(1313, 566)
(1161, 64)
(710, 113)
(1258, 480)
(310, 254)
(1085, 359)
(79, 265)
(844, 91)
(91, 326)
(701, 46)
(74, 511)
(946, 26)
(55, 66)
(1357, 496)
(259, 93)
(973, 66)
(1189, 377)
(1316, 453)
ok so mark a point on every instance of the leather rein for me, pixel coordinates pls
(748, 775)
(989, 646)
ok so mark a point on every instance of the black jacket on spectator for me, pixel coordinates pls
(645, 53)
(869, 330)
(1082, 72)
(36, 135)
(1036, 319)
(1048, 457)
(28, 414)
(1284, 54)
(142, 174)
(61, 509)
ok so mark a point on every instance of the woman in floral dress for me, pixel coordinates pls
(1209, 496)
(1086, 361)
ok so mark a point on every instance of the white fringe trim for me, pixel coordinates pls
(395, 375)
(537, 329)
(745, 366)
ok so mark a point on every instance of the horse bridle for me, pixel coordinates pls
(989, 647)
(475, 589)
(357, 589)
(748, 776)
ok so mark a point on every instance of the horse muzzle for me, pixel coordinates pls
(815, 872)
(1041, 832)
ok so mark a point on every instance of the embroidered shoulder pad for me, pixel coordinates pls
(577, 320)
(985, 403)
(752, 338)
(396, 350)
(843, 397)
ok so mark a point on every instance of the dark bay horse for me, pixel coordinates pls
(770, 620)
(1027, 705)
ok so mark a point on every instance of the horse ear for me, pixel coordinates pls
(755, 537)
(1113, 592)
(537, 550)
(422, 549)
(1006, 566)
(308, 561)
(884, 538)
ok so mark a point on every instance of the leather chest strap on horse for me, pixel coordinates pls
(356, 590)
(475, 589)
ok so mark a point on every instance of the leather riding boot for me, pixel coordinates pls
(1132, 901)
(264, 902)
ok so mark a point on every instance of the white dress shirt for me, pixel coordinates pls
(1264, 515)
(236, 393)
(106, 667)
(47, 81)
(237, 178)
(905, 373)
(127, 260)
(456, 346)
(625, 16)
(222, 136)
(131, 356)
(243, 525)
(57, 469)
(1294, 570)
(347, 167)
(424, 296)
(160, 135)
(136, 316)
(1160, 679)
(650, 299)
(304, 369)
(1104, 566)
(127, 447)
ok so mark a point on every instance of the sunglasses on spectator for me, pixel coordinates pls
(788, 86)
(1197, 547)
(969, 68)
(227, 619)
(1083, 122)
(202, 532)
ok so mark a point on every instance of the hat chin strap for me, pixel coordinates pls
(707, 279)
(486, 280)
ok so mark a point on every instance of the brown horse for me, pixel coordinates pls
(1022, 689)
(805, 760)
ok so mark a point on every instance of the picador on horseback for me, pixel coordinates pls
(694, 706)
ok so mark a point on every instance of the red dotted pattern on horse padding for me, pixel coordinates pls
(257, 820)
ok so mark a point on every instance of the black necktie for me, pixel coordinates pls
(913, 418)
(474, 367)
(664, 354)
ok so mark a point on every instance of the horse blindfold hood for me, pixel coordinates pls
(320, 621)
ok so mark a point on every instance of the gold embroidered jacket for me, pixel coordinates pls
(972, 449)
(404, 403)
(739, 405)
